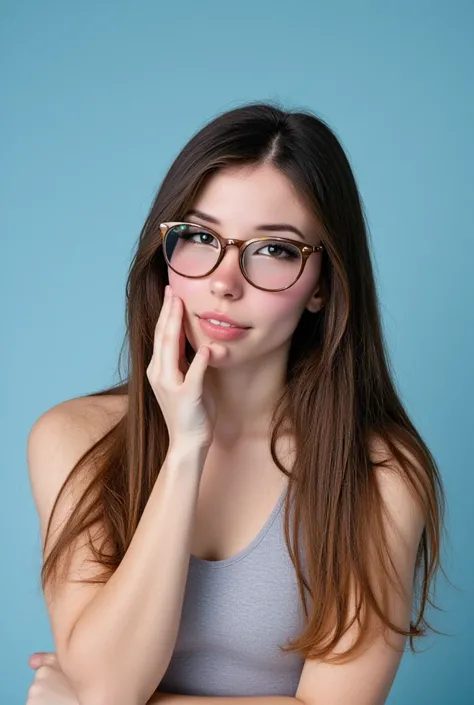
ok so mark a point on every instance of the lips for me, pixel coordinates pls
(216, 331)
(221, 317)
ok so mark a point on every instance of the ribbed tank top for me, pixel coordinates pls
(235, 613)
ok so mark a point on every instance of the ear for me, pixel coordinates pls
(316, 301)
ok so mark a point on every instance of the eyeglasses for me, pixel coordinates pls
(268, 263)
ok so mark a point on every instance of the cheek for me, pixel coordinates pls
(181, 286)
(280, 309)
(281, 312)
(288, 304)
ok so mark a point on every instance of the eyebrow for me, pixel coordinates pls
(272, 227)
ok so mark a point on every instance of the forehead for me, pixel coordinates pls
(252, 195)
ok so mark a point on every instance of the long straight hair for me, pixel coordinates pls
(338, 397)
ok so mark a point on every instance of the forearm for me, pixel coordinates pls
(172, 699)
(122, 643)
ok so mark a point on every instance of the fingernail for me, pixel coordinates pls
(167, 290)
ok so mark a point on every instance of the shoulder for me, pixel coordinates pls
(76, 423)
(85, 417)
(60, 437)
(368, 677)
(400, 486)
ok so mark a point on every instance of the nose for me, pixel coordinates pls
(227, 279)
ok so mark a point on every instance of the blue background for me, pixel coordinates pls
(97, 100)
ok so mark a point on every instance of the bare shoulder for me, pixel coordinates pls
(95, 415)
(59, 438)
(406, 507)
(84, 419)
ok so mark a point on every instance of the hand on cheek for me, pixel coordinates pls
(218, 350)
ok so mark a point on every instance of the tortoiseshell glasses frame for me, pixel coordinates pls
(224, 242)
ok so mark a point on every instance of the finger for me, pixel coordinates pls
(163, 315)
(170, 345)
(182, 361)
(51, 659)
(40, 658)
(35, 661)
(218, 351)
(197, 370)
(160, 326)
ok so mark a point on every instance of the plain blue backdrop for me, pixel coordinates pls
(97, 100)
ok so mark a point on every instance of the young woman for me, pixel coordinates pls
(248, 513)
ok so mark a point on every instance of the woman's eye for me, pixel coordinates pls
(279, 251)
(204, 238)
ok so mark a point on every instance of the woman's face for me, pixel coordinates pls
(240, 199)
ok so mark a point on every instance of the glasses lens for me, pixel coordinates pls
(272, 264)
(191, 250)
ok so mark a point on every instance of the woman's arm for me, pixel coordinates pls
(128, 631)
(173, 699)
(55, 689)
(114, 641)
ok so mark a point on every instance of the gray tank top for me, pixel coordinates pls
(235, 614)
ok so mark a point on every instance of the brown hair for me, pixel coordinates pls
(338, 396)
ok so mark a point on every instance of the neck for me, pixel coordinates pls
(245, 398)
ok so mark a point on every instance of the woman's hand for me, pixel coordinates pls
(187, 406)
(50, 686)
